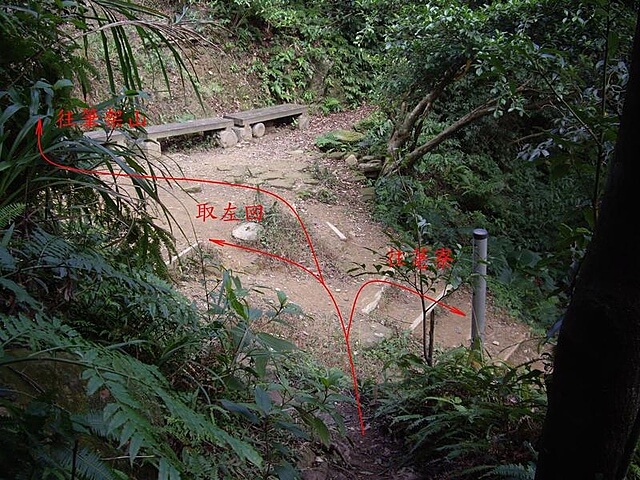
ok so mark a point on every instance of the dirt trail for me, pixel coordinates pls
(286, 162)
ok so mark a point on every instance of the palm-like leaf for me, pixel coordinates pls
(46, 40)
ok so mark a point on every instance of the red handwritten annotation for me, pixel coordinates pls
(90, 118)
(346, 328)
(252, 213)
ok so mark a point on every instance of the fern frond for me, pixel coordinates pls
(88, 464)
(8, 213)
(513, 472)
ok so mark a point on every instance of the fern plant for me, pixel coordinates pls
(8, 213)
(139, 406)
(464, 411)
(176, 395)
(514, 472)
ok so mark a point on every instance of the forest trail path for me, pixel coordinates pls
(286, 162)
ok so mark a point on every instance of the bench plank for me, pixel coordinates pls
(101, 135)
(259, 115)
(192, 126)
(155, 132)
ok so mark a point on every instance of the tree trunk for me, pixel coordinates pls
(403, 131)
(395, 164)
(592, 424)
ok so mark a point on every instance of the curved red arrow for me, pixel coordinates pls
(410, 290)
(318, 276)
(182, 179)
(345, 331)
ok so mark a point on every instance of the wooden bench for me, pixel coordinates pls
(100, 135)
(227, 137)
(254, 119)
(156, 132)
(231, 129)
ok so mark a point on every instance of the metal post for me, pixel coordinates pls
(480, 236)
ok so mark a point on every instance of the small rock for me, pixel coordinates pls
(193, 189)
(248, 231)
(303, 121)
(227, 138)
(351, 161)
(496, 343)
(296, 152)
(347, 136)
(286, 183)
(242, 133)
(374, 166)
(258, 130)
(368, 193)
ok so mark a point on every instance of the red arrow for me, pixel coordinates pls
(410, 290)
(318, 276)
(39, 129)
(345, 332)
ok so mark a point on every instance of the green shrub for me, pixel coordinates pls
(521, 207)
(172, 392)
(462, 415)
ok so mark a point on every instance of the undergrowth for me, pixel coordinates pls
(455, 190)
(145, 382)
(464, 417)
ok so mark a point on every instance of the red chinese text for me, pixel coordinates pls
(252, 213)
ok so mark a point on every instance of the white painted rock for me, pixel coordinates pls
(227, 138)
(248, 231)
(258, 130)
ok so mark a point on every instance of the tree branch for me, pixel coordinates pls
(417, 153)
(470, 117)
(402, 132)
(485, 109)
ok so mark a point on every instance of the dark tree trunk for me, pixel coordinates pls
(592, 423)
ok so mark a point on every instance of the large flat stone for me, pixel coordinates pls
(247, 231)
(286, 183)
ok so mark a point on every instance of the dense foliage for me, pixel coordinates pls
(503, 115)
(105, 370)
(314, 52)
(463, 418)
(499, 115)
